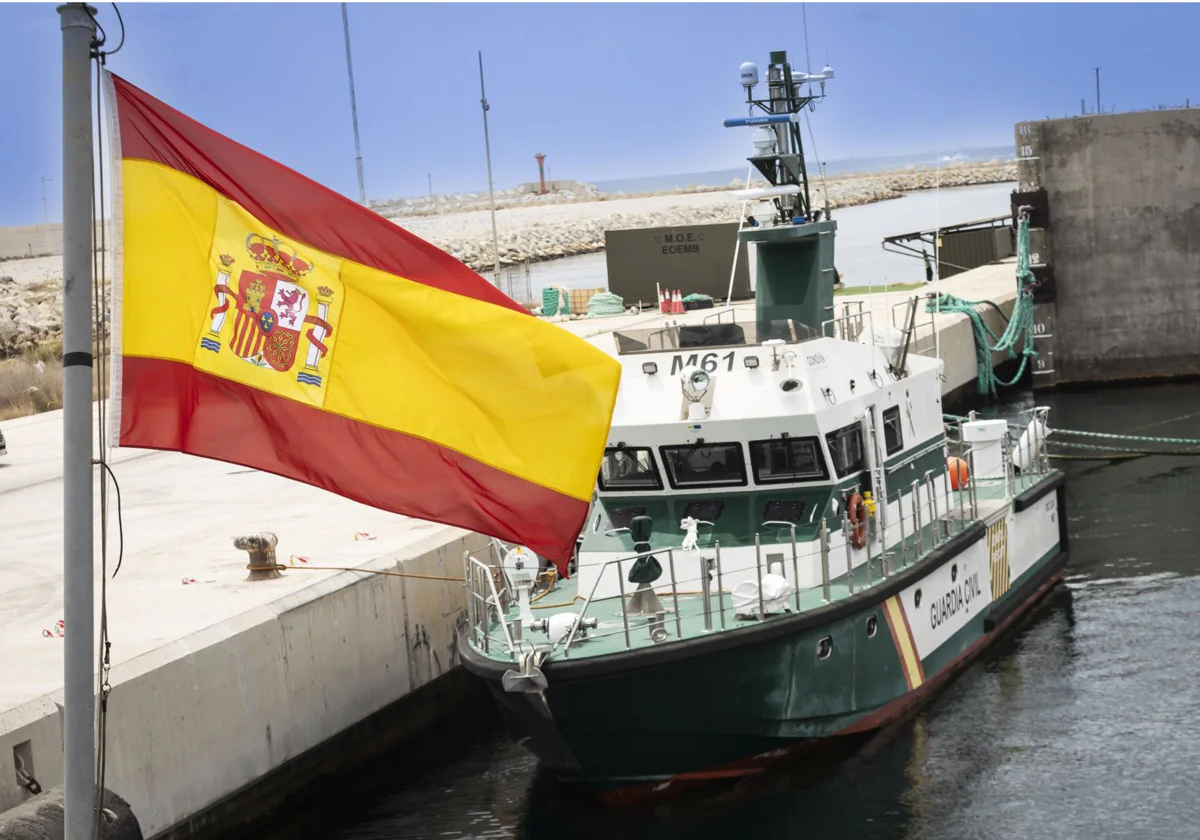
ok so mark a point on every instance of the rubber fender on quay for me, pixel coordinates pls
(41, 818)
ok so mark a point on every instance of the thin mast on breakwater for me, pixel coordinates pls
(491, 196)
(362, 191)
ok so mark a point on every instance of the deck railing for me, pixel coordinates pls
(851, 324)
(924, 515)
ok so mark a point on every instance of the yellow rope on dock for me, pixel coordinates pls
(280, 567)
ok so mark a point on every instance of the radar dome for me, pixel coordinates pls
(749, 71)
(764, 141)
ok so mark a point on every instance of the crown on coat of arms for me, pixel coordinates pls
(277, 256)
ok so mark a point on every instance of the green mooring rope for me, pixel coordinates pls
(1020, 323)
(605, 305)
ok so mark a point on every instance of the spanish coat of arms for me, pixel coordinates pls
(273, 310)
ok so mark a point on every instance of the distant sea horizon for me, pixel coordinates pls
(723, 177)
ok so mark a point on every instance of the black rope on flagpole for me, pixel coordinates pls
(97, 43)
(102, 321)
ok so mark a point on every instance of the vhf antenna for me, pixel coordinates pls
(778, 149)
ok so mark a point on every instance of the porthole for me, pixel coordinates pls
(917, 598)
(788, 385)
(872, 627)
(954, 573)
(825, 648)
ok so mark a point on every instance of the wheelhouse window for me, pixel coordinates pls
(629, 469)
(846, 449)
(787, 460)
(705, 465)
(893, 433)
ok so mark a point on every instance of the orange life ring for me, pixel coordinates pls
(856, 512)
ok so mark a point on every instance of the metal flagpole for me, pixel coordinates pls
(491, 196)
(362, 191)
(79, 751)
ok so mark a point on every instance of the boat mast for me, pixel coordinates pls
(794, 263)
(780, 150)
(79, 761)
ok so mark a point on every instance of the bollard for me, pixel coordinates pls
(261, 548)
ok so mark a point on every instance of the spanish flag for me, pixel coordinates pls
(261, 319)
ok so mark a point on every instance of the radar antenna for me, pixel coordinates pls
(778, 149)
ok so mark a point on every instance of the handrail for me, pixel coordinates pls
(919, 454)
(495, 600)
(720, 312)
(588, 601)
(923, 493)
(846, 330)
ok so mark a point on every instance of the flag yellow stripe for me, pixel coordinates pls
(521, 395)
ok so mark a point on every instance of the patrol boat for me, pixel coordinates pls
(788, 542)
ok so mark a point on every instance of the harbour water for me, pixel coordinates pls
(1077, 725)
(860, 255)
(889, 163)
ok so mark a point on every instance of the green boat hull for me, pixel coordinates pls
(639, 723)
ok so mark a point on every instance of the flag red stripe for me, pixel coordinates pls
(289, 202)
(172, 406)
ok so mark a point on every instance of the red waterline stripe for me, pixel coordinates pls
(289, 202)
(172, 406)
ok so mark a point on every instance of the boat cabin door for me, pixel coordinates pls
(875, 467)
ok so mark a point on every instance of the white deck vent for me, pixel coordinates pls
(987, 439)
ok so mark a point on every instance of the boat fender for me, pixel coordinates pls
(644, 569)
(856, 513)
(1032, 442)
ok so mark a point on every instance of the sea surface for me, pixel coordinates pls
(1078, 725)
(858, 249)
(890, 163)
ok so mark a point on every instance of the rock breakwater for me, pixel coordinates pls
(562, 234)
(531, 229)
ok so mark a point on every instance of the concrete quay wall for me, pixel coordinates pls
(1122, 207)
(194, 722)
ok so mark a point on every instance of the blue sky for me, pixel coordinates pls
(605, 90)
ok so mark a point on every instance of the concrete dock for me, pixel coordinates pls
(216, 680)
(219, 682)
